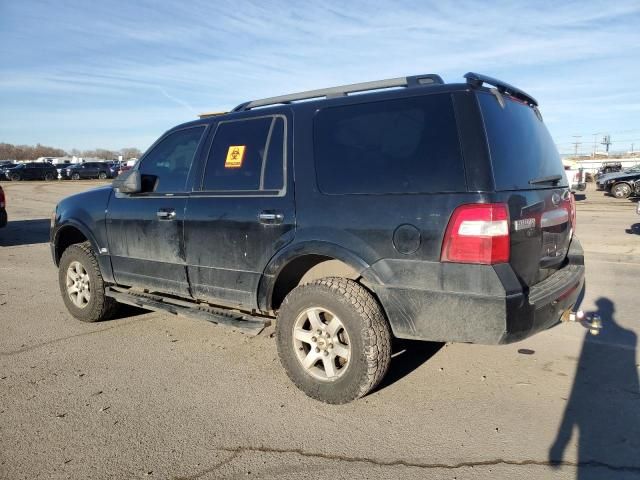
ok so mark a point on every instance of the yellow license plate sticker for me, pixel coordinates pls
(235, 155)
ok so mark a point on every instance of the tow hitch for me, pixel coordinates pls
(591, 322)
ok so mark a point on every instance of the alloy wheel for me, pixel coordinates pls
(321, 343)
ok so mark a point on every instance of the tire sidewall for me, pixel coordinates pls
(96, 286)
(75, 176)
(347, 386)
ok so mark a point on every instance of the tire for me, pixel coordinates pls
(48, 177)
(75, 176)
(621, 190)
(15, 177)
(98, 306)
(364, 335)
(102, 176)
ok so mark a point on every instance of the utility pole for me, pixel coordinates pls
(595, 143)
(606, 141)
(576, 143)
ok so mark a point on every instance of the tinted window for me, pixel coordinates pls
(166, 167)
(246, 155)
(273, 163)
(520, 145)
(397, 146)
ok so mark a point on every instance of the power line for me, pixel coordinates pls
(576, 144)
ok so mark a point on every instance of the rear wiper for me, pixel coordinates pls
(553, 179)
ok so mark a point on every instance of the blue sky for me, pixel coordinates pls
(113, 74)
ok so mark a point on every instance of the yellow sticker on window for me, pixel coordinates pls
(235, 155)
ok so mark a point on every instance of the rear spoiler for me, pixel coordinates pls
(476, 80)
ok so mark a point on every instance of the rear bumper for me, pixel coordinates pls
(474, 303)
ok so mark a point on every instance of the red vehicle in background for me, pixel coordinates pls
(3, 210)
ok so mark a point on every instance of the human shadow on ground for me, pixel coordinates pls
(25, 232)
(603, 409)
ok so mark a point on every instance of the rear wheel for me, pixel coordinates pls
(102, 175)
(621, 190)
(333, 340)
(48, 176)
(82, 286)
(75, 176)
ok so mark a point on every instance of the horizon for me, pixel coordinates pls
(112, 74)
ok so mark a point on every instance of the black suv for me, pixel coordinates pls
(435, 212)
(101, 170)
(32, 171)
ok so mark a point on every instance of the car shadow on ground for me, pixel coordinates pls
(25, 232)
(126, 311)
(407, 355)
(602, 409)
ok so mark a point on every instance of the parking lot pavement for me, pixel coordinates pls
(153, 396)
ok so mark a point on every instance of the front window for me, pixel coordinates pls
(166, 167)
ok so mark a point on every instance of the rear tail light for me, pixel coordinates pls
(572, 211)
(477, 233)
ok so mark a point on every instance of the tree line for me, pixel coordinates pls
(30, 152)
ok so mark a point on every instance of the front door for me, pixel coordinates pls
(243, 210)
(145, 230)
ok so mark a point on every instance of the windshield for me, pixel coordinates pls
(522, 150)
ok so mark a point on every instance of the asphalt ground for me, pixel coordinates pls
(150, 395)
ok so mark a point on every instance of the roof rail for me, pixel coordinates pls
(476, 80)
(211, 114)
(344, 90)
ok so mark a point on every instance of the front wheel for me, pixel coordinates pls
(75, 176)
(15, 177)
(333, 340)
(49, 177)
(82, 286)
(621, 190)
(102, 176)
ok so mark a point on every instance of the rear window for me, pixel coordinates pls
(409, 145)
(520, 144)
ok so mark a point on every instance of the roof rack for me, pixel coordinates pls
(211, 114)
(476, 80)
(344, 90)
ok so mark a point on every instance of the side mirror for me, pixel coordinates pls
(128, 182)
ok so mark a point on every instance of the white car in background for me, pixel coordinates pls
(575, 176)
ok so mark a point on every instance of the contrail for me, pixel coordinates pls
(177, 100)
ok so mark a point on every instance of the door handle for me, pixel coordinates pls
(271, 218)
(166, 214)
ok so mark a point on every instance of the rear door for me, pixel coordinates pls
(242, 211)
(145, 230)
(529, 176)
